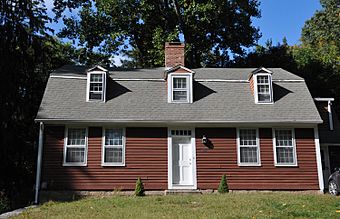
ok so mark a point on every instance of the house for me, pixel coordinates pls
(177, 128)
(329, 133)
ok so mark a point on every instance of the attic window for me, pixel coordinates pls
(263, 88)
(96, 86)
(180, 88)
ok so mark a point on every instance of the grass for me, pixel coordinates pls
(231, 205)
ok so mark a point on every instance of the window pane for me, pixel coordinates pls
(248, 154)
(262, 79)
(264, 97)
(248, 137)
(113, 155)
(75, 155)
(76, 136)
(284, 138)
(96, 78)
(180, 82)
(180, 95)
(96, 86)
(285, 155)
(95, 96)
(264, 89)
(113, 137)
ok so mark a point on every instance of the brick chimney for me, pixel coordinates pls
(174, 54)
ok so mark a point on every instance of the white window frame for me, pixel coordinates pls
(103, 92)
(295, 163)
(258, 163)
(75, 146)
(189, 88)
(103, 163)
(270, 81)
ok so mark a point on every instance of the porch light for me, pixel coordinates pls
(204, 140)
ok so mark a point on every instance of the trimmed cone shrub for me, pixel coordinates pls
(139, 191)
(223, 187)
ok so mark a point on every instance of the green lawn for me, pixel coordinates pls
(232, 205)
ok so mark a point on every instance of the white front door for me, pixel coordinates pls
(182, 162)
(185, 164)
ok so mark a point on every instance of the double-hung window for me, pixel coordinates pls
(75, 150)
(180, 89)
(285, 149)
(248, 147)
(96, 86)
(264, 89)
(113, 153)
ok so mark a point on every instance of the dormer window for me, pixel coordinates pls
(180, 89)
(263, 89)
(96, 84)
(180, 84)
(262, 85)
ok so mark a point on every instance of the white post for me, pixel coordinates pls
(39, 160)
(318, 159)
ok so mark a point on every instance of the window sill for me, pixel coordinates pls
(113, 164)
(249, 165)
(74, 164)
(264, 103)
(286, 165)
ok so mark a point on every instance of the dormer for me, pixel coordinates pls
(262, 85)
(96, 84)
(180, 84)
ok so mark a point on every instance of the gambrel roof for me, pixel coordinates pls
(221, 95)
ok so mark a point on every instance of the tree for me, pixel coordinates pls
(139, 190)
(27, 54)
(223, 186)
(321, 34)
(139, 29)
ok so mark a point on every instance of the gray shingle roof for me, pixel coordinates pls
(229, 102)
(158, 73)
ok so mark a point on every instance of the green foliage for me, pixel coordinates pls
(4, 203)
(27, 53)
(139, 29)
(223, 187)
(322, 34)
(139, 190)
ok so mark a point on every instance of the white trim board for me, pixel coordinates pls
(318, 159)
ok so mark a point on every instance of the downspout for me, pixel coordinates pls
(39, 162)
(318, 159)
(330, 116)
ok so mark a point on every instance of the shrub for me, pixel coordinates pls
(223, 187)
(4, 203)
(139, 191)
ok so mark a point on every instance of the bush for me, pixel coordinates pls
(139, 191)
(4, 203)
(223, 187)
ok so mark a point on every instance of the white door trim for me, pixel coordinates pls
(194, 173)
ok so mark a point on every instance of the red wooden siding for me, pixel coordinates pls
(251, 83)
(213, 163)
(146, 157)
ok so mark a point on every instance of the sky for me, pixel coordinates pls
(284, 18)
(279, 19)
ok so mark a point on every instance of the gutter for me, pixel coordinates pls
(55, 121)
(39, 162)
